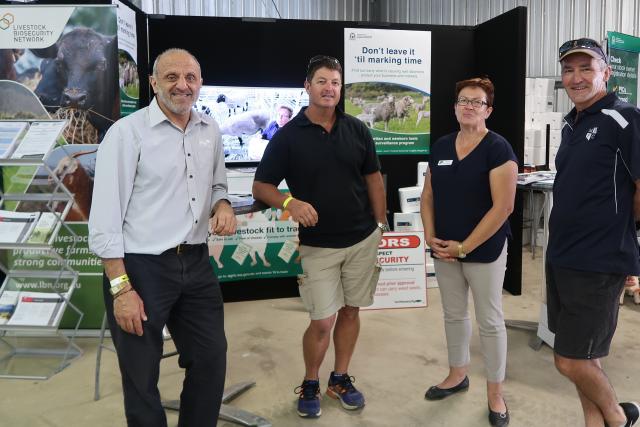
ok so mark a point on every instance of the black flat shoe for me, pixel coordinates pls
(436, 393)
(499, 419)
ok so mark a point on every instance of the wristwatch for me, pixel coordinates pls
(461, 252)
(384, 227)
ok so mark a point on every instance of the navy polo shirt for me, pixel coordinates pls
(327, 170)
(591, 227)
(462, 191)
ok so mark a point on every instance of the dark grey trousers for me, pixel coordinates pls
(182, 292)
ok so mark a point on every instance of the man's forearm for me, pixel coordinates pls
(268, 194)
(377, 196)
(113, 267)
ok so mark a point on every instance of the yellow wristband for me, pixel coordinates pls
(286, 202)
(118, 280)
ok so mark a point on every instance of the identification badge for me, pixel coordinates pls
(445, 162)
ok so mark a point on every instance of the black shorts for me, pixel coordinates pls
(582, 309)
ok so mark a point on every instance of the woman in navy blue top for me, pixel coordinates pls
(468, 195)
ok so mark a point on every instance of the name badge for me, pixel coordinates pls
(445, 162)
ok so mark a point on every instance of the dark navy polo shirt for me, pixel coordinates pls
(328, 171)
(591, 227)
(462, 192)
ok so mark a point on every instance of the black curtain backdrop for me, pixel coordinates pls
(500, 53)
(268, 52)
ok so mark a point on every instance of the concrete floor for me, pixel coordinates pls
(399, 355)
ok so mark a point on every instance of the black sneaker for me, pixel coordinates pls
(632, 411)
(341, 387)
(309, 399)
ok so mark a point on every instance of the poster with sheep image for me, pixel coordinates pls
(248, 116)
(387, 76)
(128, 78)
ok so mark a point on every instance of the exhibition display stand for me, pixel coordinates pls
(38, 282)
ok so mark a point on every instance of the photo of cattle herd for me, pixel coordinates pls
(389, 107)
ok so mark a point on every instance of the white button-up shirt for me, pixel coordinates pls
(155, 185)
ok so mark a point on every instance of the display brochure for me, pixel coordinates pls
(8, 302)
(37, 309)
(15, 226)
(43, 229)
(9, 134)
(39, 139)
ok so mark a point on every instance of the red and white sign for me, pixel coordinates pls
(402, 280)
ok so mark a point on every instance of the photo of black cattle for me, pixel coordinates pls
(76, 78)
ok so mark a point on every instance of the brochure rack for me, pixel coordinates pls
(39, 280)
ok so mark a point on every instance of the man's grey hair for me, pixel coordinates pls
(603, 64)
(170, 51)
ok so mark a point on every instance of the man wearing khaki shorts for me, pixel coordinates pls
(329, 162)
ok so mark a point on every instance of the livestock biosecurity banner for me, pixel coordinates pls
(624, 58)
(265, 246)
(387, 76)
(48, 43)
(128, 80)
(403, 278)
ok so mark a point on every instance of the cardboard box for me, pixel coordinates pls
(544, 87)
(423, 168)
(239, 181)
(410, 199)
(407, 221)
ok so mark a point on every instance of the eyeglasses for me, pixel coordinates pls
(475, 103)
(581, 43)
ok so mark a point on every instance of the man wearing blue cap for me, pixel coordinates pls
(592, 237)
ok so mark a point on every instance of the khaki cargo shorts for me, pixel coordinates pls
(332, 278)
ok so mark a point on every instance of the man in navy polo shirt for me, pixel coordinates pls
(592, 238)
(329, 162)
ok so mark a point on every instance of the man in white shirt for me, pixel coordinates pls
(160, 178)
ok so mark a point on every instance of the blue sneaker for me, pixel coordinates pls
(341, 387)
(309, 400)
